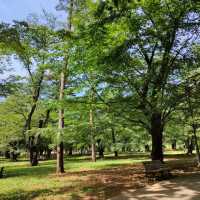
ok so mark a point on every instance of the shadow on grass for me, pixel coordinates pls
(184, 187)
(47, 167)
(42, 170)
(80, 159)
(24, 195)
(29, 195)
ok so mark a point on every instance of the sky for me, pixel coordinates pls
(19, 10)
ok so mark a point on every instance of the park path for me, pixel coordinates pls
(185, 187)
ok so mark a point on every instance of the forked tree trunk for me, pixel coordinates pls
(157, 136)
(36, 94)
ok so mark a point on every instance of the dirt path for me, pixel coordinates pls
(183, 187)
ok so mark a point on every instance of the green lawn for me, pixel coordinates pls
(23, 182)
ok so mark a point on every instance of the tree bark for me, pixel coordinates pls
(48, 154)
(114, 142)
(70, 152)
(147, 149)
(189, 146)
(174, 144)
(60, 147)
(93, 143)
(100, 148)
(33, 147)
(7, 154)
(196, 144)
(157, 136)
(60, 158)
(33, 156)
(27, 126)
(36, 94)
(101, 152)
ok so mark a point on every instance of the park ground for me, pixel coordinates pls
(108, 178)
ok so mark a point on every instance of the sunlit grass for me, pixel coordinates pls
(23, 182)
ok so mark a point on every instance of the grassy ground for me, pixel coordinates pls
(82, 179)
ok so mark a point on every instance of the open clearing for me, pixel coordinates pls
(83, 179)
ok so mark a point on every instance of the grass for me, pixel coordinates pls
(23, 182)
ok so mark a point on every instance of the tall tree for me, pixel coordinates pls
(63, 77)
(145, 46)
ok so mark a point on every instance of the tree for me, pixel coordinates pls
(145, 44)
(63, 76)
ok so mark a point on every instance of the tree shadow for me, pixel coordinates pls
(42, 170)
(185, 187)
(29, 195)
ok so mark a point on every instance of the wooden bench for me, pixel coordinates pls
(156, 170)
(1, 172)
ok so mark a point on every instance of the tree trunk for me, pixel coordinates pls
(93, 152)
(157, 136)
(60, 158)
(48, 154)
(33, 147)
(114, 142)
(36, 93)
(33, 153)
(101, 152)
(196, 144)
(13, 156)
(33, 157)
(60, 148)
(147, 149)
(189, 146)
(93, 146)
(174, 145)
(100, 148)
(70, 151)
(7, 154)
(46, 120)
